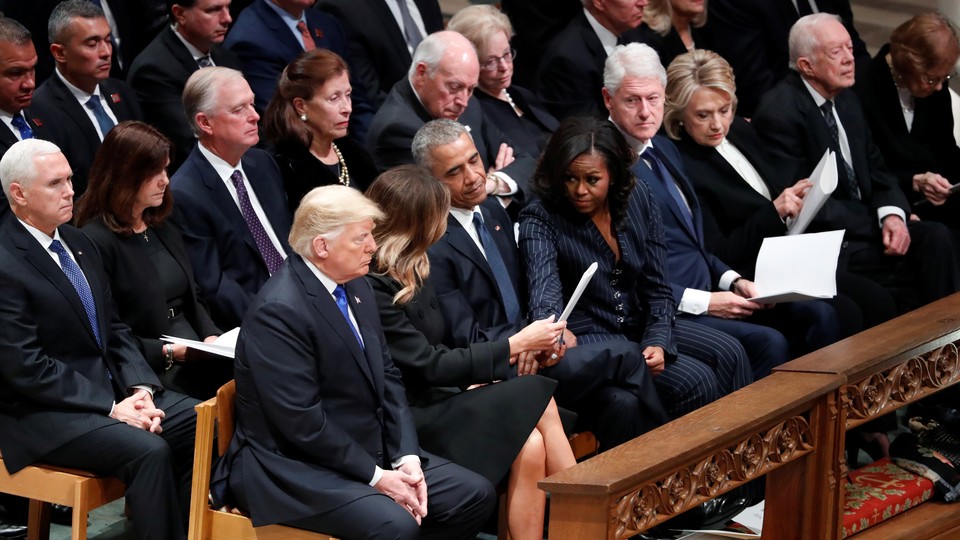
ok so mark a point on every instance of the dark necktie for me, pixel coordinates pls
(308, 43)
(106, 124)
(205, 61)
(410, 31)
(510, 303)
(267, 250)
(803, 8)
(79, 283)
(21, 124)
(852, 187)
(664, 176)
(341, 296)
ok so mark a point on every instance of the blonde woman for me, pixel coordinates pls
(679, 22)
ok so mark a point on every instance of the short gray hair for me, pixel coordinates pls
(17, 164)
(804, 38)
(200, 92)
(634, 60)
(434, 133)
(63, 15)
(430, 52)
(325, 211)
(12, 31)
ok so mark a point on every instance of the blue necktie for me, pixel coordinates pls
(341, 295)
(666, 178)
(79, 283)
(499, 268)
(103, 119)
(22, 126)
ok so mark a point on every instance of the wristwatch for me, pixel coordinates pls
(168, 356)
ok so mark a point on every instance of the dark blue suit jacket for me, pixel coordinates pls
(465, 285)
(229, 267)
(691, 266)
(265, 45)
(315, 412)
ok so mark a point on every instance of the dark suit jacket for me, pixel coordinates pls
(467, 290)
(531, 132)
(56, 383)
(752, 36)
(535, 22)
(315, 412)
(793, 129)
(401, 115)
(928, 146)
(571, 69)
(736, 218)
(691, 265)
(265, 45)
(7, 139)
(378, 51)
(630, 297)
(229, 267)
(158, 76)
(140, 299)
(67, 125)
(301, 171)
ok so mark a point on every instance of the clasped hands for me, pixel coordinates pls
(139, 411)
(407, 487)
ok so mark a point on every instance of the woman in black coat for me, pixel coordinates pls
(306, 123)
(469, 404)
(124, 212)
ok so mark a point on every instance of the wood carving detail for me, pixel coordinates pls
(885, 391)
(718, 473)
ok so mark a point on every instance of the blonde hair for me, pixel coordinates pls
(417, 205)
(688, 73)
(478, 23)
(325, 211)
(659, 16)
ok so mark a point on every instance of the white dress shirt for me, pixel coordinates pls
(607, 38)
(7, 120)
(744, 168)
(196, 53)
(414, 14)
(465, 218)
(83, 97)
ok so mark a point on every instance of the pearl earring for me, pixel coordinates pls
(303, 117)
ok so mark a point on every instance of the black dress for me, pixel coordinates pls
(481, 429)
(301, 171)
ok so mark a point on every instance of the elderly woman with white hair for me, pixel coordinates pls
(518, 112)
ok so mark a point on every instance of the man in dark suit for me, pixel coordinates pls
(229, 200)
(482, 295)
(383, 35)
(752, 36)
(440, 84)
(706, 289)
(74, 389)
(80, 103)
(325, 440)
(160, 72)
(535, 23)
(269, 34)
(571, 69)
(813, 110)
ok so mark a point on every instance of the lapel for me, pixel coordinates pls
(326, 306)
(8, 138)
(34, 254)
(221, 199)
(393, 31)
(114, 100)
(459, 240)
(179, 52)
(372, 350)
(642, 171)
(410, 97)
(278, 28)
(590, 40)
(847, 110)
(73, 110)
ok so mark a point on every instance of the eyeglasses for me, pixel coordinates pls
(491, 64)
(936, 82)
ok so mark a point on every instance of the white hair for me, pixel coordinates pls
(325, 211)
(634, 60)
(804, 38)
(18, 164)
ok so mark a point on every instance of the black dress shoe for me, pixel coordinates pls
(61, 515)
(718, 511)
(12, 531)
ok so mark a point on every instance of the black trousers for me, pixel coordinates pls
(156, 469)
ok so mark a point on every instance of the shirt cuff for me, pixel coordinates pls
(694, 302)
(511, 184)
(885, 211)
(405, 459)
(148, 388)
(377, 475)
(727, 279)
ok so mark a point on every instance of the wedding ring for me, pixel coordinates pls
(553, 356)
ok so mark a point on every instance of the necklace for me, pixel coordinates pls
(513, 105)
(344, 176)
(143, 233)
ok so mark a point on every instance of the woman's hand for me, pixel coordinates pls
(789, 203)
(934, 187)
(536, 336)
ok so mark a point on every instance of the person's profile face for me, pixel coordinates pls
(328, 111)
(587, 183)
(831, 63)
(459, 166)
(348, 254)
(17, 76)
(637, 106)
(152, 190)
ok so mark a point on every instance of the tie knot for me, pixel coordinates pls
(477, 220)
(237, 178)
(827, 107)
(58, 248)
(204, 61)
(94, 102)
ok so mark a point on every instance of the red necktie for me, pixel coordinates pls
(308, 44)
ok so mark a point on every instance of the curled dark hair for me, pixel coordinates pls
(585, 135)
(131, 153)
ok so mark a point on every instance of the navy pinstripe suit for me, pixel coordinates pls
(629, 299)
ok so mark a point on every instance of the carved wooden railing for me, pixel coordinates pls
(789, 427)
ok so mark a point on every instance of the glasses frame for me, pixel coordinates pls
(492, 64)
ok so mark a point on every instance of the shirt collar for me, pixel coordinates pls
(635, 143)
(41, 236)
(222, 168)
(328, 283)
(607, 38)
(464, 216)
(289, 19)
(817, 98)
(79, 94)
